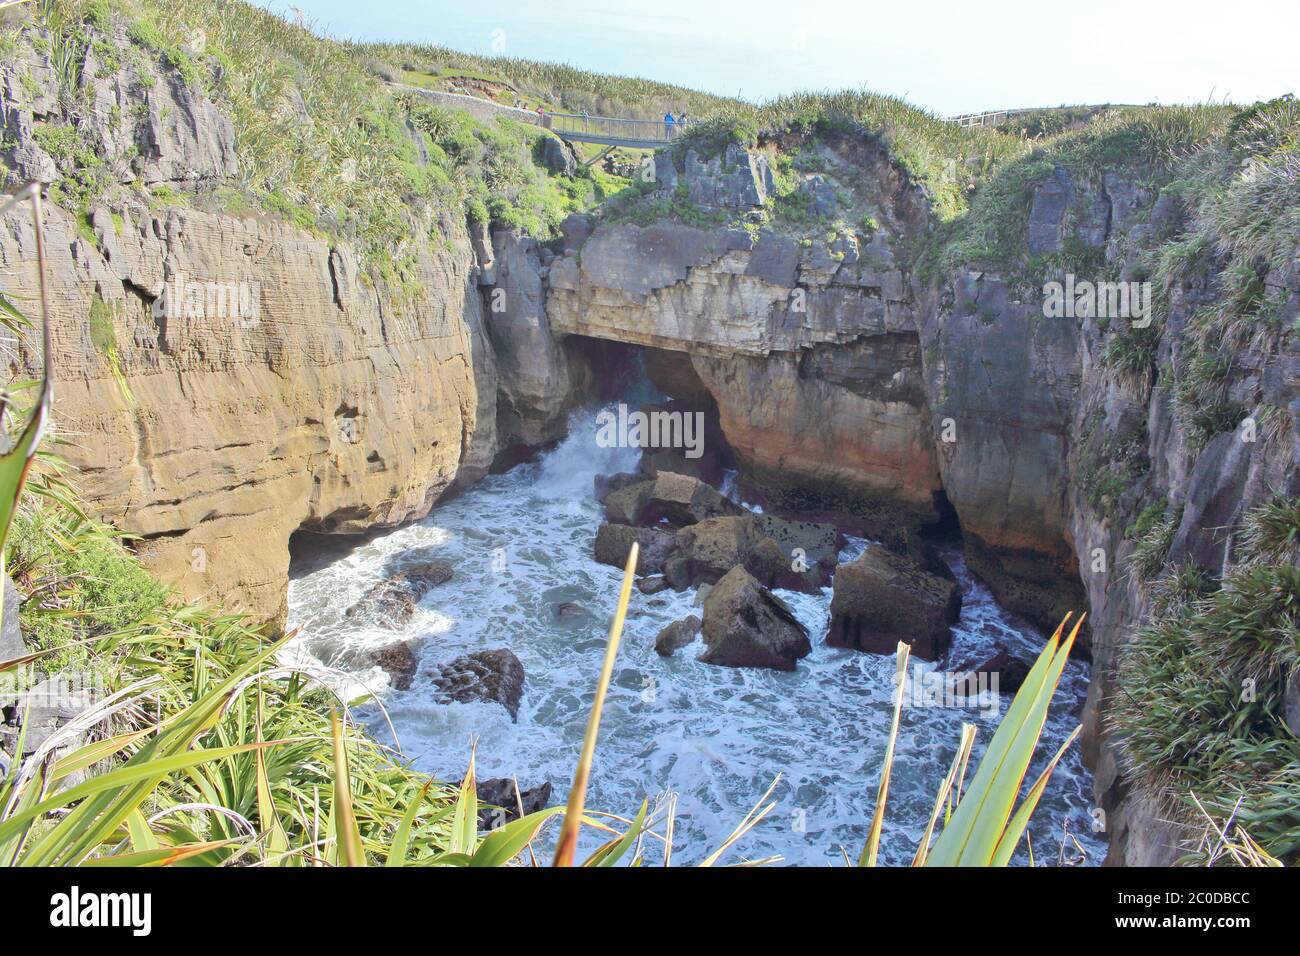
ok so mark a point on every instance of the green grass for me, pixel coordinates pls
(320, 141)
(1201, 688)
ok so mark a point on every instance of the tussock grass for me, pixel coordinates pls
(1199, 705)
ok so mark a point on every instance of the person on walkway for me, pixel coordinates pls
(681, 120)
(668, 124)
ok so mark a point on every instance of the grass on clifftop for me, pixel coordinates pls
(320, 141)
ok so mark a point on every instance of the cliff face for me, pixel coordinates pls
(273, 387)
(336, 410)
(1050, 436)
(809, 350)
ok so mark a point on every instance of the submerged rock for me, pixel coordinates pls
(569, 611)
(677, 635)
(392, 601)
(398, 661)
(493, 675)
(881, 599)
(746, 625)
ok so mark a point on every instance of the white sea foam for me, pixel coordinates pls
(715, 735)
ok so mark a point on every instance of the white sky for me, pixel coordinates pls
(945, 56)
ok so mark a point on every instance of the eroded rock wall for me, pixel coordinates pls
(280, 388)
(215, 437)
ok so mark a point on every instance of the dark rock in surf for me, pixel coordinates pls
(1011, 670)
(882, 599)
(568, 611)
(746, 625)
(398, 661)
(392, 601)
(677, 635)
(495, 676)
(614, 541)
(503, 802)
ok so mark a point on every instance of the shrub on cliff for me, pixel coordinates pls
(1202, 689)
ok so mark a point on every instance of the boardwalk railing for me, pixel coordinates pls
(612, 131)
(991, 118)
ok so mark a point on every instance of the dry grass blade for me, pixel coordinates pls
(869, 851)
(752, 819)
(568, 842)
(964, 747)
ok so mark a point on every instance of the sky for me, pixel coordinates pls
(944, 56)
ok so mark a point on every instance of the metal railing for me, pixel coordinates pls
(610, 129)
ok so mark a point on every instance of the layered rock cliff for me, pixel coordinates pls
(225, 378)
(858, 360)
(850, 382)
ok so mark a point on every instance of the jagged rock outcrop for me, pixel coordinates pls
(536, 391)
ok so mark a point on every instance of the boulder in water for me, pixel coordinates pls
(677, 635)
(680, 500)
(607, 484)
(398, 661)
(746, 625)
(882, 599)
(624, 505)
(797, 555)
(493, 675)
(614, 541)
(669, 498)
(1011, 670)
(652, 584)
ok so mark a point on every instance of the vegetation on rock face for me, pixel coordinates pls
(1203, 685)
(320, 141)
